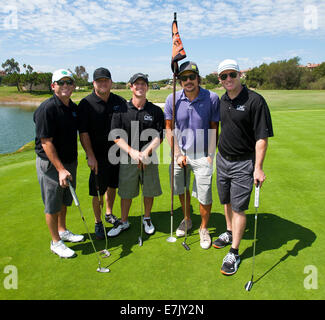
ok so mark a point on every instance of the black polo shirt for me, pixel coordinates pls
(244, 120)
(94, 117)
(134, 121)
(55, 120)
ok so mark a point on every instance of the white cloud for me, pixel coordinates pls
(85, 22)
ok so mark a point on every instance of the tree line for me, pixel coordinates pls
(286, 74)
(29, 78)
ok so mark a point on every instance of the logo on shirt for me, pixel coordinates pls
(240, 108)
(116, 108)
(147, 117)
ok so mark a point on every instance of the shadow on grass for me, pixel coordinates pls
(272, 233)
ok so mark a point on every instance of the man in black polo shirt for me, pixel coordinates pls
(245, 127)
(94, 114)
(138, 131)
(56, 148)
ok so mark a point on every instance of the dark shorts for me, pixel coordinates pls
(53, 195)
(235, 182)
(107, 178)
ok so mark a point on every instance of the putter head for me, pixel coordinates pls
(171, 239)
(140, 242)
(248, 285)
(105, 253)
(103, 270)
(184, 244)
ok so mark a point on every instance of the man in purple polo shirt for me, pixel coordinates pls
(196, 133)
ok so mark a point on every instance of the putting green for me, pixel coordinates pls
(290, 237)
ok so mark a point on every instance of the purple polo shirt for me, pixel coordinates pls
(192, 119)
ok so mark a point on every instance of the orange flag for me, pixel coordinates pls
(178, 50)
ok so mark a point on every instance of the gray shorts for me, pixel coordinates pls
(202, 183)
(53, 195)
(129, 179)
(235, 182)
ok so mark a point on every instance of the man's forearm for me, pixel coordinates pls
(260, 152)
(51, 153)
(86, 144)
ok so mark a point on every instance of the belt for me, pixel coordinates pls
(246, 156)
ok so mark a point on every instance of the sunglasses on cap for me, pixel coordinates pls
(62, 82)
(191, 77)
(231, 74)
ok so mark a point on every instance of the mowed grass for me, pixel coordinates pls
(290, 233)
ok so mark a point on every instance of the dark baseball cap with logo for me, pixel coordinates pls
(101, 73)
(137, 76)
(188, 66)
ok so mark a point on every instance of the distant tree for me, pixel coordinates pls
(257, 76)
(212, 78)
(284, 74)
(45, 78)
(11, 66)
(28, 68)
(81, 76)
(319, 71)
(12, 79)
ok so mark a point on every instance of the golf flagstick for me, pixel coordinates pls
(104, 253)
(178, 53)
(76, 201)
(172, 238)
(249, 284)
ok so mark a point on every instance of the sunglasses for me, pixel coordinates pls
(231, 74)
(62, 82)
(191, 77)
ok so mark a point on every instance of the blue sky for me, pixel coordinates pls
(129, 36)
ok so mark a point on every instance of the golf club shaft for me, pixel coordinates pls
(77, 203)
(101, 209)
(142, 199)
(185, 206)
(256, 204)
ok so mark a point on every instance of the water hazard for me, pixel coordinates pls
(16, 128)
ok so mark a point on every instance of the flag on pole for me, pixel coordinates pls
(178, 50)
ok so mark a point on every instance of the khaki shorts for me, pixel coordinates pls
(202, 184)
(130, 177)
(53, 195)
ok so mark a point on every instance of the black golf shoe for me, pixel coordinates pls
(110, 218)
(99, 231)
(223, 240)
(230, 264)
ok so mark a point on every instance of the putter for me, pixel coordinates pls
(184, 244)
(104, 253)
(142, 199)
(76, 201)
(249, 284)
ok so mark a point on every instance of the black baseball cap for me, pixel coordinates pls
(101, 73)
(137, 76)
(188, 66)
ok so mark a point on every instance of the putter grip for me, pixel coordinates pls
(257, 196)
(73, 193)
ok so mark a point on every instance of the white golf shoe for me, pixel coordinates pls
(62, 250)
(67, 235)
(149, 228)
(205, 239)
(119, 226)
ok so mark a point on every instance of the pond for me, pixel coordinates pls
(16, 128)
